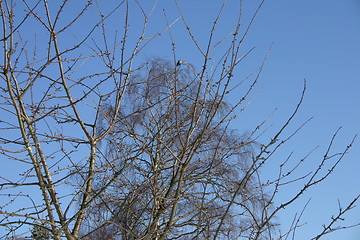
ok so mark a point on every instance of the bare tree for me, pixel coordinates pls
(106, 145)
(177, 164)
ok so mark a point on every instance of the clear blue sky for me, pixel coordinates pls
(314, 39)
(317, 40)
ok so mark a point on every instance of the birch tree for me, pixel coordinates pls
(99, 143)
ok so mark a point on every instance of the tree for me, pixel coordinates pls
(40, 232)
(109, 146)
(176, 164)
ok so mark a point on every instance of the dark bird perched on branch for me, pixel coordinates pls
(179, 62)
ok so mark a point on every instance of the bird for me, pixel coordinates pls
(179, 62)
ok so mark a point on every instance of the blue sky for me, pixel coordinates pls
(314, 40)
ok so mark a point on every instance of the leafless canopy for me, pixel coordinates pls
(97, 142)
